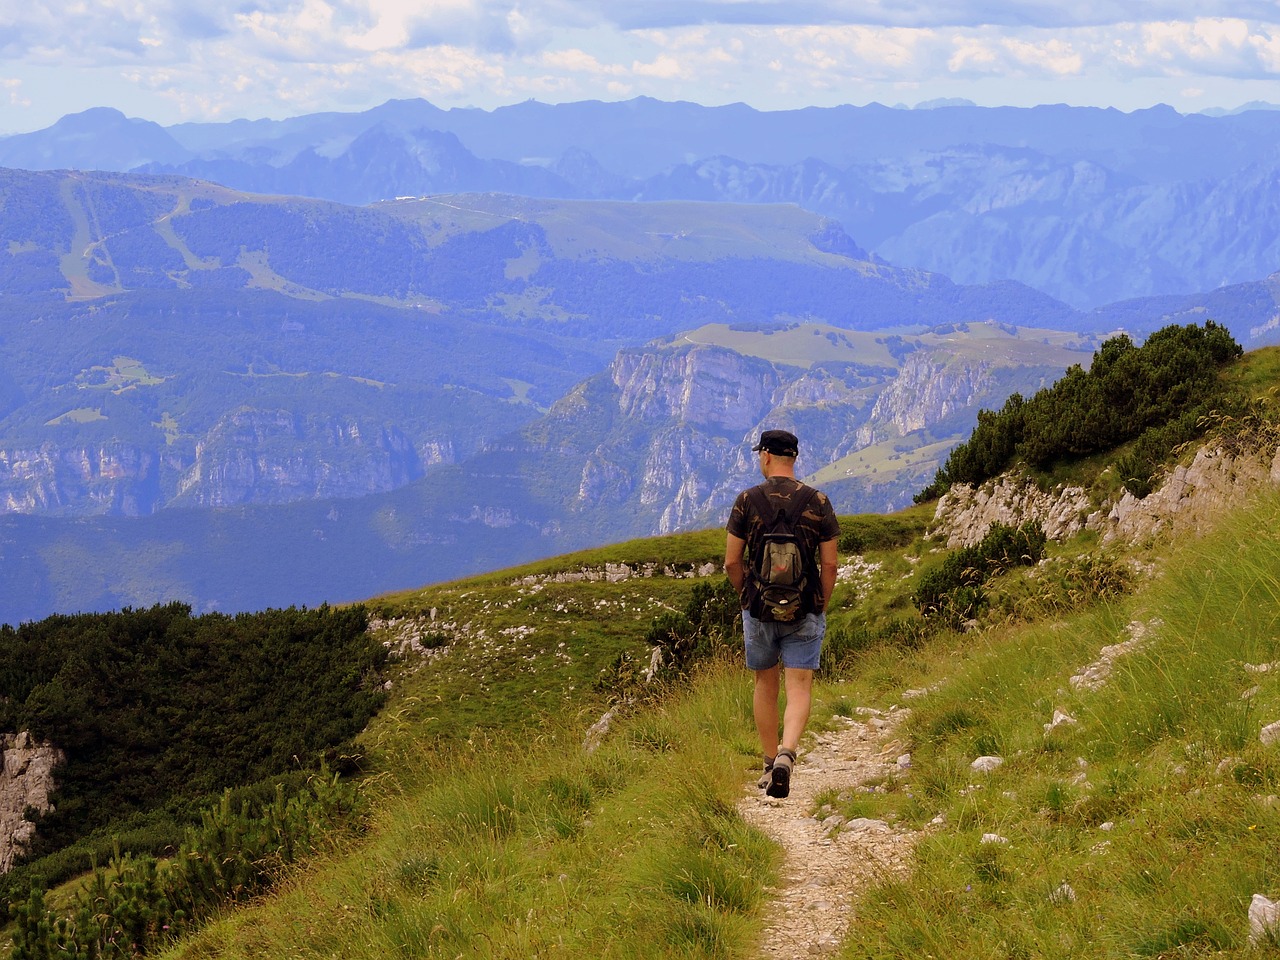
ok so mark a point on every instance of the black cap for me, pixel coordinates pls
(778, 442)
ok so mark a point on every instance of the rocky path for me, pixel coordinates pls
(830, 861)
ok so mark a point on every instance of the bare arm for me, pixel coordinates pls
(828, 565)
(734, 568)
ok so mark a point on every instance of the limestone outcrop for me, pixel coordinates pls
(965, 513)
(1185, 502)
(26, 782)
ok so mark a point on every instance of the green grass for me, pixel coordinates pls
(1157, 808)
(529, 846)
(78, 415)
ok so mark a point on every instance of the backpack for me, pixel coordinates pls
(781, 571)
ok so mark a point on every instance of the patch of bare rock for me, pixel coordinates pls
(1189, 499)
(26, 781)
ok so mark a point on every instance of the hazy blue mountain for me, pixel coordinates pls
(1088, 205)
(101, 138)
(642, 137)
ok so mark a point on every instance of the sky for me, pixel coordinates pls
(177, 60)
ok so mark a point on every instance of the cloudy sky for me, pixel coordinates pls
(175, 60)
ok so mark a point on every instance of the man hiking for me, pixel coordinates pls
(780, 555)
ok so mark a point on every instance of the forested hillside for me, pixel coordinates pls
(158, 711)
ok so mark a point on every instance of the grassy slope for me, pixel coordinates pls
(1141, 830)
(681, 230)
(803, 345)
(1156, 808)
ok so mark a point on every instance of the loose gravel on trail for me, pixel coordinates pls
(830, 861)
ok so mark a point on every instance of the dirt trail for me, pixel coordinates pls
(829, 862)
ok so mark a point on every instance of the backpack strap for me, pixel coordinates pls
(806, 494)
(760, 500)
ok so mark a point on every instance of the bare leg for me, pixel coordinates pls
(799, 685)
(765, 705)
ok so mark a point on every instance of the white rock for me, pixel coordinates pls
(1270, 733)
(1060, 719)
(986, 764)
(995, 838)
(904, 761)
(1264, 914)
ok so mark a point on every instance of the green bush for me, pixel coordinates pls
(1160, 392)
(953, 589)
(708, 620)
(139, 903)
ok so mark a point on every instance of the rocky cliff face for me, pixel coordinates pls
(1188, 499)
(276, 456)
(683, 417)
(249, 456)
(929, 389)
(26, 781)
(707, 387)
(81, 479)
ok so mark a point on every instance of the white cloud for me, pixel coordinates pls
(13, 90)
(857, 48)
(973, 54)
(663, 67)
(275, 57)
(1197, 40)
(1054, 56)
(578, 61)
(1267, 49)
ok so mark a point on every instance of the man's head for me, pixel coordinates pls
(778, 450)
(779, 442)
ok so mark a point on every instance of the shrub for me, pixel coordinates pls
(953, 590)
(138, 903)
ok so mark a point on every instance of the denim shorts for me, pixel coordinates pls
(797, 645)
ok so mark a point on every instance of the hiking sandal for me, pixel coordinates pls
(767, 777)
(780, 775)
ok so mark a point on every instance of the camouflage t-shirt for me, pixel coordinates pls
(816, 525)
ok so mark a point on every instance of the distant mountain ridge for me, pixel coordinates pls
(223, 397)
(1091, 206)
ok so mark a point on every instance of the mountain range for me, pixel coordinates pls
(1090, 206)
(240, 399)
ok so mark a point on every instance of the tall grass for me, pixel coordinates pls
(1144, 828)
(538, 848)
